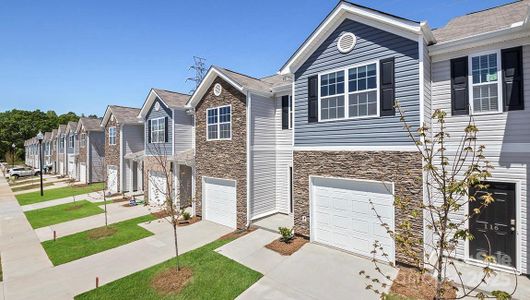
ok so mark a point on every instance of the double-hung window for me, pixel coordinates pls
(158, 130)
(112, 135)
(332, 96)
(219, 123)
(362, 91)
(71, 141)
(485, 83)
(349, 93)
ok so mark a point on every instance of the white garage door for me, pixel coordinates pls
(112, 179)
(157, 188)
(342, 215)
(219, 198)
(82, 173)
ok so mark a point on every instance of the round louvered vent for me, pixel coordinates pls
(217, 89)
(346, 42)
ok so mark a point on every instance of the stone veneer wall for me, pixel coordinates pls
(112, 152)
(53, 158)
(225, 159)
(81, 158)
(404, 169)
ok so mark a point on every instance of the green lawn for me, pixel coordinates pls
(58, 193)
(30, 186)
(214, 277)
(62, 213)
(76, 246)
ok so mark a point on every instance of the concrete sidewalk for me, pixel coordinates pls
(80, 276)
(313, 272)
(92, 197)
(116, 212)
(22, 254)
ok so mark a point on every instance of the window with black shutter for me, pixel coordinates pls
(285, 112)
(166, 135)
(512, 78)
(312, 99)
(149, 131)
(387, 88)
(459, 86)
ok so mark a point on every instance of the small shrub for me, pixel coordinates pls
(287, 234)
(186, 216)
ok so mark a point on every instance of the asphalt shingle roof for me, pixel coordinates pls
(264, 84)
(493, 19)
(91, 124)
(125, 115)
(172, 99)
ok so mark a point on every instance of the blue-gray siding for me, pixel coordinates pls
(183, 131)
(372, 44)
(133, 138)
(160, 148)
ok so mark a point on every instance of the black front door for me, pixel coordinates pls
(494, 227)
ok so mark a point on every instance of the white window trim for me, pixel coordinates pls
(500, 99)
(71, 141)
(110, 135)
(291, 113)
(218, 108)
(346, 92)
(163, 131)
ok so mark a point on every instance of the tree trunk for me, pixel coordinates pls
(176, 244)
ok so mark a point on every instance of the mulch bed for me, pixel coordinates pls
(74, 207)
(238, 233)
(190, 221)
(287, 248)
(103, 232)
(171, 281)
(412, 284)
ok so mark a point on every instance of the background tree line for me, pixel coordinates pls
(16, 126)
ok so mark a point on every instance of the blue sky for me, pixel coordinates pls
(82, 55)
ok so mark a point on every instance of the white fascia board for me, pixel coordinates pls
(282, 89)
(517, 30)
(407, 29)
(205, 84)
(149, 102)
(106, 117)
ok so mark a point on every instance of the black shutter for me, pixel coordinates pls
(459, 86)
(285, 112)
(387, 87)
(512, 78)
(149, 131)
(312, 99)
(167, 130)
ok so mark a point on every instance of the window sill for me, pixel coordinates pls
(486, 113)
(351, 119)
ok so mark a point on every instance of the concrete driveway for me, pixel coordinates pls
(314, 272)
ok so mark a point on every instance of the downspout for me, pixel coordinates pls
(249, 109)
(121, 160)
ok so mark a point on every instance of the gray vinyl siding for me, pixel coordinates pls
(96, 156)
(284, 160)
(427, 111)
(68, 149)
(183, 131)
(133, 138)
(500, 133)
(263, 156)
(372, 44)
(159, 148)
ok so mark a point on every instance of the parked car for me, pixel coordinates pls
(24, 171)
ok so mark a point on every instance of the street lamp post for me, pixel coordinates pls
(13, 161)
(40, 137)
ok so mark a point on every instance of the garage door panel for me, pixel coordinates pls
(343, 216)
(220, 201)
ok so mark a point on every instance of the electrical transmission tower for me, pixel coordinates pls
(200, 71)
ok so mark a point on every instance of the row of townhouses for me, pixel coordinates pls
(322, 137)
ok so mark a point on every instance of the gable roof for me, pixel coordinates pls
(71, 126)
(54, 133)
(90, 124)
(243, 83)
(492, 19)
(122, 114)
(61, 129)
(173, 100)
(47, 136)
(346, 10)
